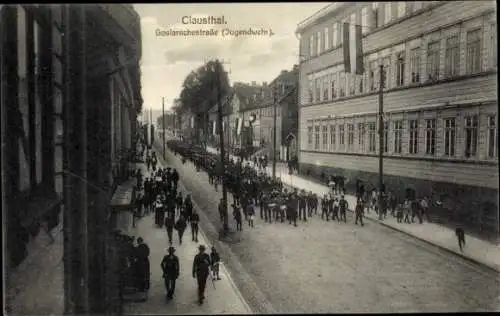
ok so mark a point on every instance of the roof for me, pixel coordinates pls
(250, 96)
(322, 13)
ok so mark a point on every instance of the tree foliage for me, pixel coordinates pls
(200, 88)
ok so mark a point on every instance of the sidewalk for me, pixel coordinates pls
(224, 298)
(476, 250)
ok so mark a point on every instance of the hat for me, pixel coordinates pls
(171, 249)
(201, 247)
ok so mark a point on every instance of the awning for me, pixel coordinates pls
(123, 198)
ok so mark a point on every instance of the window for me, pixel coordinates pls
(371, 137)
(310, 90)
(400, 69)
(333, 79)
(398, 136)
(350, 135)
(430, 136)
(375, 15)
(360, 84)
(311, 46)
(325, 136)
(385, 74)
(335, 35)
(415, 65)
(470, 136)
(386, 137)
(452, 58)
(473, 51)
(388, 12)
(325, 87)
(492, 137)
(342, 84)
(373, 71)
(341, 136)
(317, 93)
(361, 136)
(332, 137)
(364, 20)
(309, 136)
(449, 137)
(318, 37)
(401, 9)
(352, 84)
(316, 137)
(327, 42)
(413, 148)
(433, 61)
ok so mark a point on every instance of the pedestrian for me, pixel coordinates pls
(222, 209)
(459, 232)
(424, 206)
(138, 209)
(343, 205)
(302, 207)
(334, 205)
(324, 208)
(158, 206)
(170, 267)
(250, 211)
(399, 213)
(169, 226)
(201, 270)
(359, 212)
(195, 219)
(215, 261)
(142, 265)
(180, 226)
(406, 211)
(237, 217)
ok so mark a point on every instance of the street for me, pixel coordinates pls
(334, 267)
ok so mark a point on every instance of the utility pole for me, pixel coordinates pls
(163, 125)
(275, 100)
(381, 139)
(222, 154)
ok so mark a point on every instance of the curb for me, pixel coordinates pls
(458, 254)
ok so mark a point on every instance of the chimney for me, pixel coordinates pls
(254, 83)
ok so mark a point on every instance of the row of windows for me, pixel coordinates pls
(332, 137)
(370, 17)
(339, 84)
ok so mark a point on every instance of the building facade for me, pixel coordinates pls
(69, 107)
(440, 102)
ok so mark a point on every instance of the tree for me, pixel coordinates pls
(199, 91)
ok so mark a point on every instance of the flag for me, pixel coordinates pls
(353, 50)
(214, 125)
(192, 121)
(239, 126)
(223, 126)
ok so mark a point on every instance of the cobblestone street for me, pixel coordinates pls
(335, 267)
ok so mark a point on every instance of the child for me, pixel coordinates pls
(215, 260)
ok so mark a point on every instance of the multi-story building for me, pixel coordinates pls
(440, 102)
(69, 106)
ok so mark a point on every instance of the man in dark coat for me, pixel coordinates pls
(169, 226)
(142, 265)
(201, 271)
(195, 219)
(170, 268)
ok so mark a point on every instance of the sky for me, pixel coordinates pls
(167, 60)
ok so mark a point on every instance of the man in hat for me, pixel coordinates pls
(201, 270)
(170, 268)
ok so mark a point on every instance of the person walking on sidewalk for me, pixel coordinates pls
(222, 209)
(201, 271)
(459, 232)
(237, 217)
(170, 267)
(406, 211)
(343, 206)
(302, 206)
(142, 265)
(324, 208)
(169, 226)
(250, 211)
(188, 206)
(424, 206)
(215, 261)
(195, 219)
(180, 226)
(179, 202)
(359, 212)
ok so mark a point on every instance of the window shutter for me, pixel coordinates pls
(381, 13)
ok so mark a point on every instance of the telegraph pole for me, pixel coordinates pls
(275, 100)
(163, 124)
(222, 155)
(381, 139)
